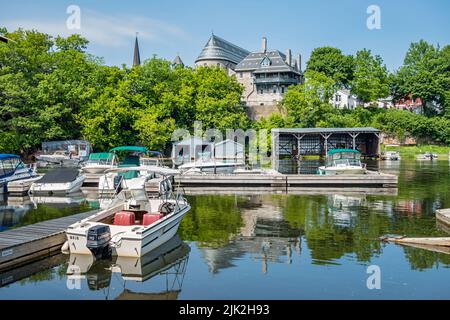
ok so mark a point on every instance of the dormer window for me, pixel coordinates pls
(266, 62)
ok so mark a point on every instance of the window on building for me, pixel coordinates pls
(261, 91)
(240, 74)
(265, 62)
(274, 90)
(282, 89)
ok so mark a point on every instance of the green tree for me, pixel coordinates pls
(371, 80)
(425, 74)
(307, 104)
(331, 62)
(218, 100)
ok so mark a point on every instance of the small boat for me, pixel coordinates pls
(59, 181)
(260, 171)
(68, 153)
(168, 260)
(100, 162)
(391, 156)
(428, 156)
(131, 226)
(13, 169)
(343, 161)
(210, 166)
(123, 178)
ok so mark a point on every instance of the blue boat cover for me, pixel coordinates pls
(5, 156)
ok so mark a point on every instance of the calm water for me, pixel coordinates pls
(310, 246)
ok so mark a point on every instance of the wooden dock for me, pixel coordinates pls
(284, 183)
(26, 244)
(443, 216)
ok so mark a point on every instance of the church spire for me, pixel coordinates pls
(137, 57)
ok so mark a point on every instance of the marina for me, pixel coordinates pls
(268, 233)
(289, 170)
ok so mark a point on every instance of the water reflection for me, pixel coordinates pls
(320, 241)
(169, 261)
(21, 211)
(333, 225)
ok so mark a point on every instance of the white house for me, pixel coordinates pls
(191, 149)
(344, 99)
(229, 150)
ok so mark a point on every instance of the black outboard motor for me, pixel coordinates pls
(98, 238)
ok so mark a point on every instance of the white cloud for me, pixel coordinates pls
(107, 30)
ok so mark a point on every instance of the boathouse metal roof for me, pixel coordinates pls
(276, 59)
(219, 49)
(325, 130)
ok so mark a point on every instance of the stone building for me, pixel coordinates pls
(265, 74)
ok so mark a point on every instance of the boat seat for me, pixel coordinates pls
(124, 218)
(150, 218)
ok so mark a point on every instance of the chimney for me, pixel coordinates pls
(299, 62)
(264, 44)
(289, 57)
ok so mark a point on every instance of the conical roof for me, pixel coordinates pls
(137, 56)
(219, 49)
(177, 61)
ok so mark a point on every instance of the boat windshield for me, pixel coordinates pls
(9, 165)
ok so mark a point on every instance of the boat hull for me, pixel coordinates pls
(340, 171)
(57, 188)
(135, 245)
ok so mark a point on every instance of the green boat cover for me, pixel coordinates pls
(129, 174)
(130, 148)
(101, 156)
(334, 151)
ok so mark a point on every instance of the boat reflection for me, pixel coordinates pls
(168, 260)
(345, 208)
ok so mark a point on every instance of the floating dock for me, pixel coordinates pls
(29, 243)
(443, 216)
(284, 183)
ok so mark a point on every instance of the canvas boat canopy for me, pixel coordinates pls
(101, 156)
(5, 156)
(334, 151)
(130, 148)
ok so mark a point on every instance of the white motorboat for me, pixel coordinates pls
(135, 268)
(100, 162)
(343, 161)
(210, 166)
(428, 156)
(391, 156)
(13, 169)
(124, 178)
(131, 226)
(67, 153)
(58, 181)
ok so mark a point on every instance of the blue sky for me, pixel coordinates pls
(175, 26)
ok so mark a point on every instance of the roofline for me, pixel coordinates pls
(328, 130)
(228, 42)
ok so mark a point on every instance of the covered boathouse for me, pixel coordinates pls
(293, 143)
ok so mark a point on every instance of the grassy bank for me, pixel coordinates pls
(413, 151)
